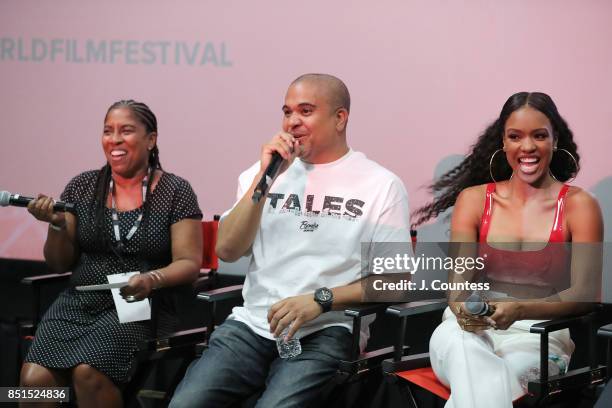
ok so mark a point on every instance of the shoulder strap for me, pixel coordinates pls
(556, 233)
(485, 221)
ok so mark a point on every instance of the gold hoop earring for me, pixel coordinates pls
(491, 164)
(575, 164)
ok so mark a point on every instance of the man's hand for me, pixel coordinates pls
(293, 312)
(284, 144)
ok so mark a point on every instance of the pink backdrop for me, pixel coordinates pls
(425, 78)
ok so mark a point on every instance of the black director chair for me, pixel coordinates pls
(166, 344)
(416, 383)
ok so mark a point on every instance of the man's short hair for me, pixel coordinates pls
(338, 93)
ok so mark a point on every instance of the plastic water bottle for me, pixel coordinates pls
(288, 349)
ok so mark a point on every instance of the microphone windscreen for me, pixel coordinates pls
(475, 308)
(475, 305)
(5, 198)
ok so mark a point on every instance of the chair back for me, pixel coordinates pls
(209, 234)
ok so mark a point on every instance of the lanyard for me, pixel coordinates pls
(115, 216)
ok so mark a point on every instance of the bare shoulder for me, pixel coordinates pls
(473, 197)
(579, 200)
(584, 218)
(467, 212)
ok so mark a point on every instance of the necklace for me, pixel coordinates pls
(115, 215)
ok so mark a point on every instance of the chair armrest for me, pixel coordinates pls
(229, 292)
(404, 310)
(360, 363)
(35, 283)
(544, 386)
(559, 324)
(356, 312)
(178, 339)
(418, 307)
(365, 309)
(42, 279)
(409, 362)
(605, 331)
(369, 360)
(202, 283)
(212, 297)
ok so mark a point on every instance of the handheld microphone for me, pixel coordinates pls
(475, 305)
(17, 200)
(262, 187)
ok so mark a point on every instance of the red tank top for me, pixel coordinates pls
(546, 267)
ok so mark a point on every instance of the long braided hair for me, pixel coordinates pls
(474, 169)
(145, 116)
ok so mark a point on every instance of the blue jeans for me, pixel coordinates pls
(239, 363)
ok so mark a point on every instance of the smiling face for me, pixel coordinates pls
(126, 143)
(318, 126)
(529, 143)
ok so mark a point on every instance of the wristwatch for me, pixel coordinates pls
(324, 297)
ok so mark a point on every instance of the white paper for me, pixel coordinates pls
(128, 312)
(104, 286)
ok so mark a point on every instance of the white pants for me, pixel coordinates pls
(485, 369)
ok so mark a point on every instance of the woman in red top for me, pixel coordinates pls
(510, 189)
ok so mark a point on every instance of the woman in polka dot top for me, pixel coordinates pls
(129, 216)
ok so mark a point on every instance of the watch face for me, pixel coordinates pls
(324, 294)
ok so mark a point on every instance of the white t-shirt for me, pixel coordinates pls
(315, 218)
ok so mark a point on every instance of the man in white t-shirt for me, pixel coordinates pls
(305, 241)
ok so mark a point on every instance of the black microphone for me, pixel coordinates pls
(262, 187)
(17, 200)
(475, 305)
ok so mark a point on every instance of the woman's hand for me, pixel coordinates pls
(505, 314)
(138, 288)
(42, 209)
(467, 321)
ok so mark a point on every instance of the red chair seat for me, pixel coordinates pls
(425, 378)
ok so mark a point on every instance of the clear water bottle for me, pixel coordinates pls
(288, 349)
